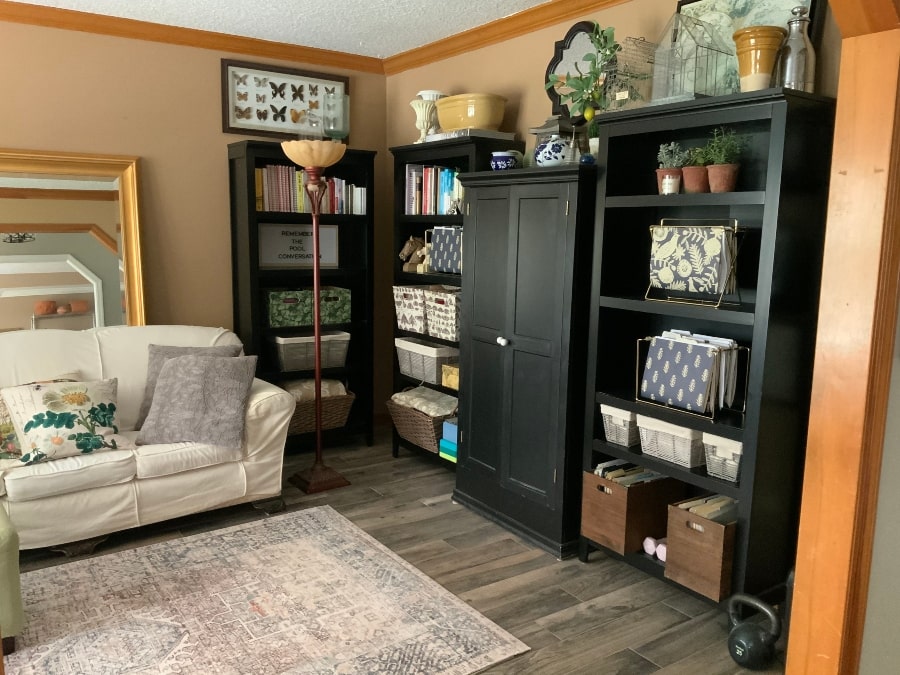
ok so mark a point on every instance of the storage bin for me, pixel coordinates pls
(442, 312)
(295, 307)
(445, 254)
(417, 427)
(723, 457)
(423, 360)
(335, 408)
(700, 553)
(450, 375)
(619, 517)
(299, 353)
(671, 442)
(619, 426)
(409, 305)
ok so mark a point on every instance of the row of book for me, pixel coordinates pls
(432, 190)
(625, 473)
(279, 187)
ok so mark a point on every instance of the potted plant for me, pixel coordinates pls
(593, 132)
(723, 151)
(694, 176)
(585, 92)
(671, 158)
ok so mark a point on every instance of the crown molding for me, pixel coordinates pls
(497, 31)
(548, 14)
(67, 19)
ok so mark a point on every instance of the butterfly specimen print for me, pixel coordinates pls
(242, 95)
(329, 90)
(313, 90)
(240, 79)
(297, 92)
(260, 81)
(313, 105)
(243, 113)
(277, 89)
(260, 98)
(297, 116)
(278, 114)
(262, 114)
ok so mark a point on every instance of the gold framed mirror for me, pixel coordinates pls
(120, 173)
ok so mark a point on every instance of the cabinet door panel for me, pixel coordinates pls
(485, 407)
(532, 447)
(491, 254)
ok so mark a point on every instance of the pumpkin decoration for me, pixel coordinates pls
(44, 307)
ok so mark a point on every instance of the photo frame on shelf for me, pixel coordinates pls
(263, 100)
(290, 246)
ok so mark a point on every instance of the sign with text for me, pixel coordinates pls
(292, 246)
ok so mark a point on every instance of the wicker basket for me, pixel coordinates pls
(335, 410)
(422, 360)
(417, 427)
(619, 426)
(723, 457)
(671, 442)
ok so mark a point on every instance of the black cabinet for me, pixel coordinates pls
(458, 155)
(526, 264)
(780, 203)
(256, 270)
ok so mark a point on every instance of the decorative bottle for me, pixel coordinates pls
(797, 66)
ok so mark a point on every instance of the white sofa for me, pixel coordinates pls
(76, 498)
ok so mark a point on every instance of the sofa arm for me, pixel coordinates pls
(269, 411)
(12, 616)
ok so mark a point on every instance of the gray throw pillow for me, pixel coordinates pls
(159, 354)
(201, 399)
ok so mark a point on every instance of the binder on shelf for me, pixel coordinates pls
(695, 373)
(693, 261)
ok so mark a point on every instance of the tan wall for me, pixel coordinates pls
(81, 92)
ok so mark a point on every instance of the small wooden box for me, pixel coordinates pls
(700, 553)
(620, 517)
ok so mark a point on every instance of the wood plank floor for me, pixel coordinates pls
(601, 617)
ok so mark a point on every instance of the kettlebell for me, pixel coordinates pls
(751, 644)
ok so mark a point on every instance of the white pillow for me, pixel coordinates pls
(62, 419)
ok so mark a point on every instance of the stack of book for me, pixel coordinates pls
(719, 508)
(279, 187)
(431, 190)
(625, 473)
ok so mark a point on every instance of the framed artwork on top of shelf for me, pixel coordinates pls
(264, 100)
(730, 15)
(291, 246)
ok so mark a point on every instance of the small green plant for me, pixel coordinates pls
(725, 146)
(697, 157)
(671, 156)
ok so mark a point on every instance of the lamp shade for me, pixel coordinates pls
(313, 153)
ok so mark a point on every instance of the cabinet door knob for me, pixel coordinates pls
(502, 341)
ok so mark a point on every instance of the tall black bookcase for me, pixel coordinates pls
(252, 281)
(780, 202)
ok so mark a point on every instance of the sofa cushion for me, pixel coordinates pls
(165, 459)
(61, 419)
(159, 354)
(201, 399)
(10, 446)
(69, 474)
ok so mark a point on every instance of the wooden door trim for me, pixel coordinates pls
(857, 323)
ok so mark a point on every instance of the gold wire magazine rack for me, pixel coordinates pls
(694, 261)
(666, 382)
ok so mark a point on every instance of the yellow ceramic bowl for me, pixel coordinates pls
(470, 111)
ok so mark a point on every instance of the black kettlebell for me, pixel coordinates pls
(751, 644)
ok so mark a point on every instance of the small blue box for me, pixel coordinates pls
(447, 448)
(451, 430)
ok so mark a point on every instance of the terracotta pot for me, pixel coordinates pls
(79, 306)
(668, 181)
(722, 177)
(695, 179)
(757, 50)
(44, 307)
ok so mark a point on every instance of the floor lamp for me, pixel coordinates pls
(315, 156)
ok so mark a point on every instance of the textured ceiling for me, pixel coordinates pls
(376, 28)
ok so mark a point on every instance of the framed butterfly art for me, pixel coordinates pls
(256, 98)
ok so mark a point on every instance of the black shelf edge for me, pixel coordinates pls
(695, 476)
(728, 423)
(298, 217)
(752, 197)
(440, 278)
(431, 385)
(442, 218)
(276, 375)
(398, 332)
(738, 314)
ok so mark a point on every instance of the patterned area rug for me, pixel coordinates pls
(304, 592)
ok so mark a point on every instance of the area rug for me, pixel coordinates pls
(303, 592)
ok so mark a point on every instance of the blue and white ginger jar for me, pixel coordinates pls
(555, 151)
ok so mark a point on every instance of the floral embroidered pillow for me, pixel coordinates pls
(62, 419)
(10, 447)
